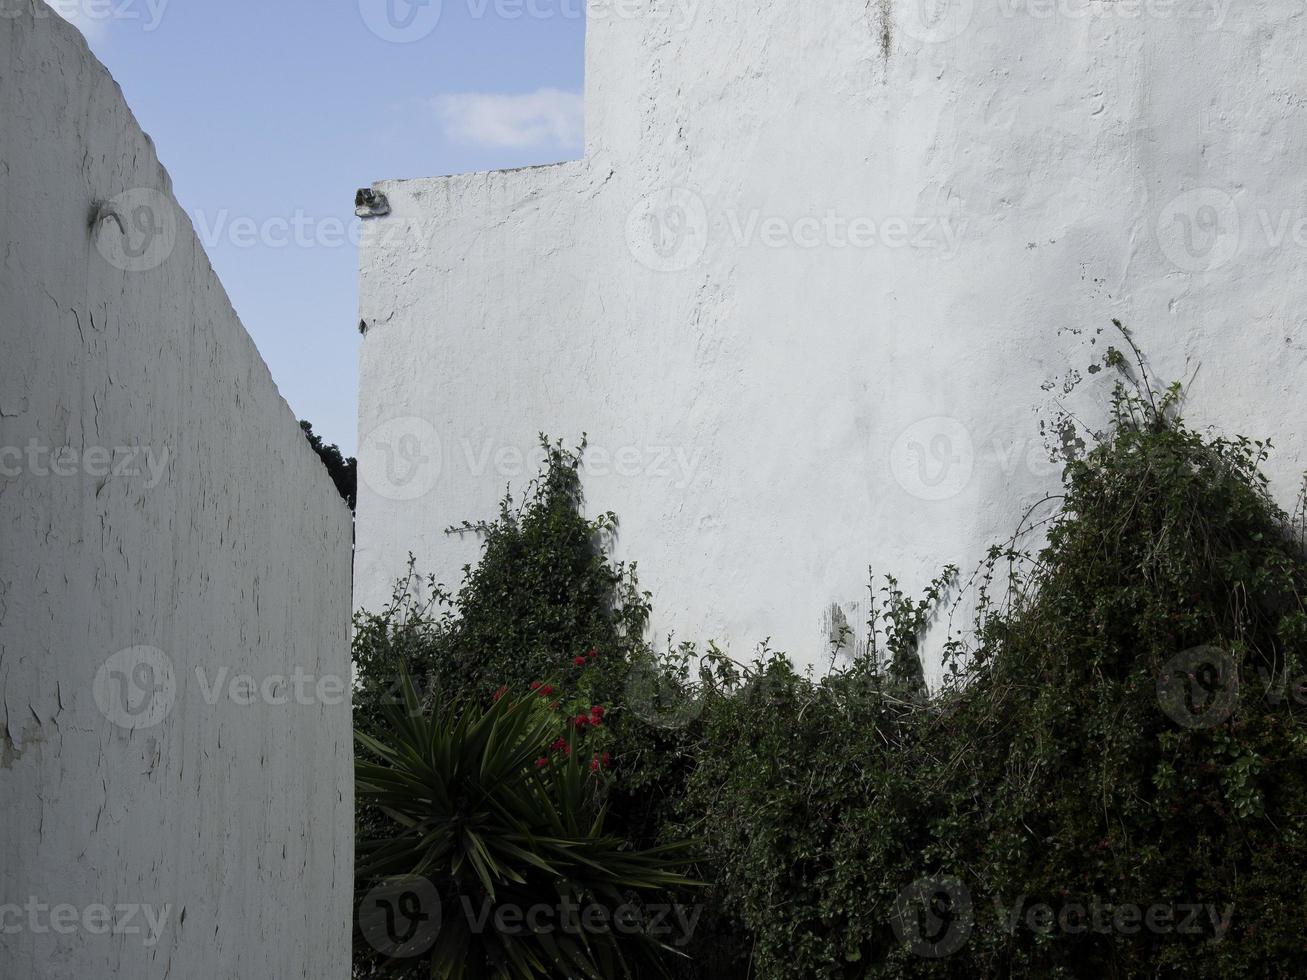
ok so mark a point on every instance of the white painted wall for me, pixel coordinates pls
(1028, 169)
(216, 538)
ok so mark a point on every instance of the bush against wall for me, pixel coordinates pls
(342, 469)
(1110, 781)
(532, 652)
(497, 835)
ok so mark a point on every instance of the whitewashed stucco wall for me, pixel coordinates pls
(706, 283)
(182, 520)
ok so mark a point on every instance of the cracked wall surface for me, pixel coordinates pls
(174, 576)
(824, 272)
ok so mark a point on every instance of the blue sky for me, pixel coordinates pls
(269, 115)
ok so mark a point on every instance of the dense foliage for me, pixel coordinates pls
(342, 469)
(543, 603)
(543, 618)
(496, 841)
(1110, 781)
(1123, 732)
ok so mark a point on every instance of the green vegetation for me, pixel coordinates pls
(342, 469)
(1109, 782)
(494, 808)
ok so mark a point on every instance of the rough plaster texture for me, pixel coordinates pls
(705, 283)
(229, 823)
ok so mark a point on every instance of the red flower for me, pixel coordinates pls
(580, 721)
(579, 661)
(592, 652)
(501, 692)
(597, 711)
(541, 762)
(535, 685)
(559, 744)
(594, 764)
(606, 759)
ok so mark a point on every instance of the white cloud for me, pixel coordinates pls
(545, 117)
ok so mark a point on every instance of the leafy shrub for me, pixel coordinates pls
(343, 470)
(542, 610)
(807, 795)
(495, 810)
(1085, 753)
(1092, 749)
(1119, 736)
(542, 597)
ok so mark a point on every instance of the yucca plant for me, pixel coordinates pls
(499, 851)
